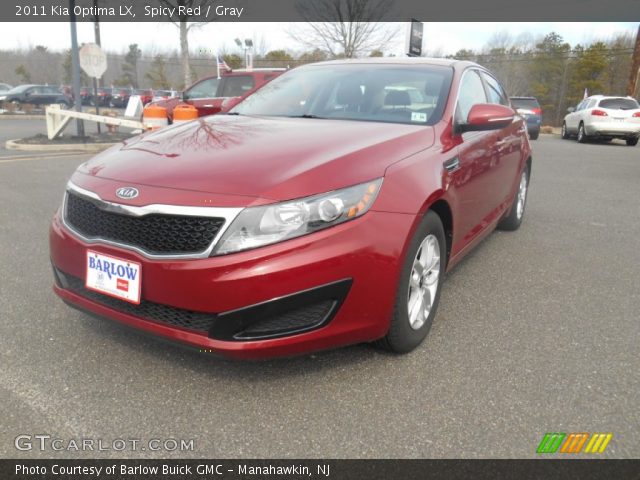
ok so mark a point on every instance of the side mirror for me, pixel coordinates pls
(487, 116)
(571, 109)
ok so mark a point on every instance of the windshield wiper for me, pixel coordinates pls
(233, 113)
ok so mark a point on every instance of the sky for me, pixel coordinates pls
(442, 37)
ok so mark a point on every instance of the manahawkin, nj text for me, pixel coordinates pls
(125, 12)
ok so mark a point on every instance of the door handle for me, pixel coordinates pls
(452, 164)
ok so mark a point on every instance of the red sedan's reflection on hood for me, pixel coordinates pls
(270, 157)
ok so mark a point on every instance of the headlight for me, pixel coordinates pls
(258, 226)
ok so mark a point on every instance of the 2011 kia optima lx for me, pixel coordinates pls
(321, 211)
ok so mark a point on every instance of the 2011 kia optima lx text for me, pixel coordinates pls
(323, 210)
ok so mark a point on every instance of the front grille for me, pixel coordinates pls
(176, 317)
(294, 320)
(158, 234)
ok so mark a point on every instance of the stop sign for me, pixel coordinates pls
(93, 60)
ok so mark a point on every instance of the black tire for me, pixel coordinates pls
(565, 133)
(534, 135)
(632, 142)
(582, 135)
(401, 337)
(512, 221)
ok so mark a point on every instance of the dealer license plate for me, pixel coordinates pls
(113, 276)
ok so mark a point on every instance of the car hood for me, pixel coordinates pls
(268, 157)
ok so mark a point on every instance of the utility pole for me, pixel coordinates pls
(96, 31)
(563, 91)
(635, 67)
(75, 62)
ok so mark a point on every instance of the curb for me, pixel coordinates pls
(4, 116)
(77, 147)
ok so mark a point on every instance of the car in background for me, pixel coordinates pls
(104, 97)
(120, 97)
(601, 117)
(5, 87)
(210, 93)
(86, 95)
(38, 95)
(145, 94)
(322, 210)
(159, 95)
(530, 109)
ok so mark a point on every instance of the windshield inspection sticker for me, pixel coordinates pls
(113, 276)
(418, 117)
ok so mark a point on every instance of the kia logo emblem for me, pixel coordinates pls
(127, 192)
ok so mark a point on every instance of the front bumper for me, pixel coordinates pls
(364, 256)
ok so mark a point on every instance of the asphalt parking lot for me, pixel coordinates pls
(537, 331)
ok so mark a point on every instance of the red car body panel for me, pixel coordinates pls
(231, 161)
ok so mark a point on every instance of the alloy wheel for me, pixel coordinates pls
(522, 195)
(424, 281)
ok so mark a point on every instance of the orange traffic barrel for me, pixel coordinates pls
(184, 113)
(154, 117)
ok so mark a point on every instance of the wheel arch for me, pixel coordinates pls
(442, 208)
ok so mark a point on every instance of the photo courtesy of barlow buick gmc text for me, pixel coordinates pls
(319, 239)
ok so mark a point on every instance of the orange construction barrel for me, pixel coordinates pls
(155, 117)
(184, 113)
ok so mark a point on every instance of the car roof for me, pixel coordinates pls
(444, 62)
(603, 97)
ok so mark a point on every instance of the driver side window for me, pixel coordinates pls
(471, 93)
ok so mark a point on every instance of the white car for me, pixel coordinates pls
(603, 118)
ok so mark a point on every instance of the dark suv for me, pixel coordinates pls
(530, 109)
(38, 95)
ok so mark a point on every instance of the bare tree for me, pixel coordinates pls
(182, 21)
(344, 28)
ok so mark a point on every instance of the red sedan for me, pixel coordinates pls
(321, 211)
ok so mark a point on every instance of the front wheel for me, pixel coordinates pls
(418, 292)
(514, 219)
(565, 133)
(632, 142)
(534, 135)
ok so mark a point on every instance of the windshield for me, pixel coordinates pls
(619, 103)
(414, 94)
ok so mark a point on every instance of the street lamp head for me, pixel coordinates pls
(238, 42)
(248, 42)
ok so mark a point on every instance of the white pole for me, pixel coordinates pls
(218, 65)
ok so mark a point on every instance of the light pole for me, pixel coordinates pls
(75, 65)
(247, 46)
